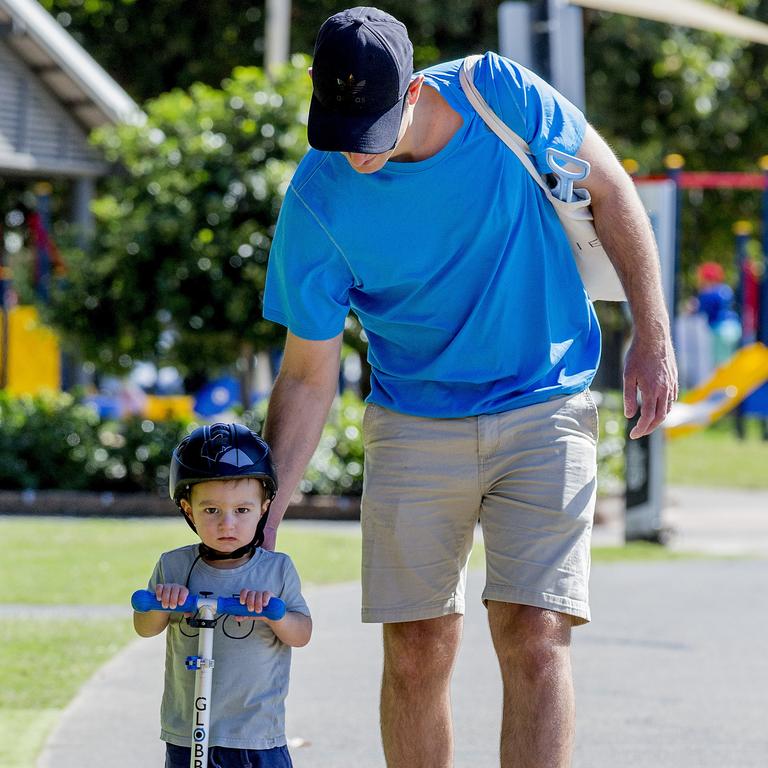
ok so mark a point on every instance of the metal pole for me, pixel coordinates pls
(566, 51)
(546, 36)
(203, 666)
(515, 32)
(645, 462)
(762, 328)
(81, 211)
(675, 164)
(43, 192)
(742, 231)
(278, 33)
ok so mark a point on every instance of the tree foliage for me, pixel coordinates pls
(652, 89)
(152, 47)
(655, 89)
(177, 267)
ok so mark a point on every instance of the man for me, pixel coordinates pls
(482, 344)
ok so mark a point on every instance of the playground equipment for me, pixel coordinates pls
(738, 378)
(207, 610)
(30, 354)
(740, 382)
(730, 384)
(165, 407)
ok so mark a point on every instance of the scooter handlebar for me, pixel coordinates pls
(144, 600)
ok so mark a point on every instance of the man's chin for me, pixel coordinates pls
(368, 169)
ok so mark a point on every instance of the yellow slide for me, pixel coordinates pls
(721, 393)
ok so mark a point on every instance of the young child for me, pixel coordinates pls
(223, 479)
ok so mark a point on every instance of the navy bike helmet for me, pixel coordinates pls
(222, 452)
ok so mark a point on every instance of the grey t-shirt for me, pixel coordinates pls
(250, 677)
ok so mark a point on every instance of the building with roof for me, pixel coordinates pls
(52, 94)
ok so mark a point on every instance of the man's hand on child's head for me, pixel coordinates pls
(255, 600)
(171, 595)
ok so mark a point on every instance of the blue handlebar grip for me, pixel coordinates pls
(144, 600)
(274, 611)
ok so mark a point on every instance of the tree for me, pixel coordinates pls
(150, 48)
(177, 266)
(655, 89)
(652, 88)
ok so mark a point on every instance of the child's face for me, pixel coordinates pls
(226, 512)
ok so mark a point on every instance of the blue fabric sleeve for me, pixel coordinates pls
(308, 279)
(530, 106)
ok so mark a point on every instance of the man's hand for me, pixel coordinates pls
(625, 230)
(651, 371)
(298, 406)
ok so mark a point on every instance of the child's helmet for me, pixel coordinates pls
(222, 452)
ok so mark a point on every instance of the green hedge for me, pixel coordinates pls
(337, 465)
(55, 441)
(58, 442)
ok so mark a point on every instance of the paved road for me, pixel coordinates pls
(672, 672)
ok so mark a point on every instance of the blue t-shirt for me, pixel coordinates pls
(457, 265)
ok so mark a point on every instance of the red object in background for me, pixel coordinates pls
(751, 301)
(43, 242)
(711, 179)
(710, 272)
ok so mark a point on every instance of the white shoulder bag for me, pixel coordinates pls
(597, 272)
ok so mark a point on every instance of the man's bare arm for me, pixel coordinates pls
(298, 408)
(625, 231)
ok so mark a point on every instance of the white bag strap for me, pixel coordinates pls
(496, 124)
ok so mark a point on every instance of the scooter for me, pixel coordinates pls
(207, 610)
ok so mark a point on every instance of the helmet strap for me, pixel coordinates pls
(258, 539)
(208, 553)
(213, 554)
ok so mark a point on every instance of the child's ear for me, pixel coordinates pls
(265, 506)
(186, 508)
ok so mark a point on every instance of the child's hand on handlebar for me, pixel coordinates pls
(255, 600)
(171, 595)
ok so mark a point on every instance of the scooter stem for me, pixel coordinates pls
(203, 666)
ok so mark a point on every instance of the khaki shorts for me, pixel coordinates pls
(528, 474)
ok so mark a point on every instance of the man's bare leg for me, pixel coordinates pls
(533, 647)
(419, 657)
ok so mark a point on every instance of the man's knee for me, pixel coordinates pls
(529, 640)
(420, 652)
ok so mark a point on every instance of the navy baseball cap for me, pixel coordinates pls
(362, 67)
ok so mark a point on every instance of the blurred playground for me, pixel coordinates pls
(144, 155)
(721, 327)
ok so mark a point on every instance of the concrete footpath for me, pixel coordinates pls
(672, 672)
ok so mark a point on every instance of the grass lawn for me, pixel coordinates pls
(715, 457)
(65, 561)
(50, 561)
(45, 661)
(59, 561)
